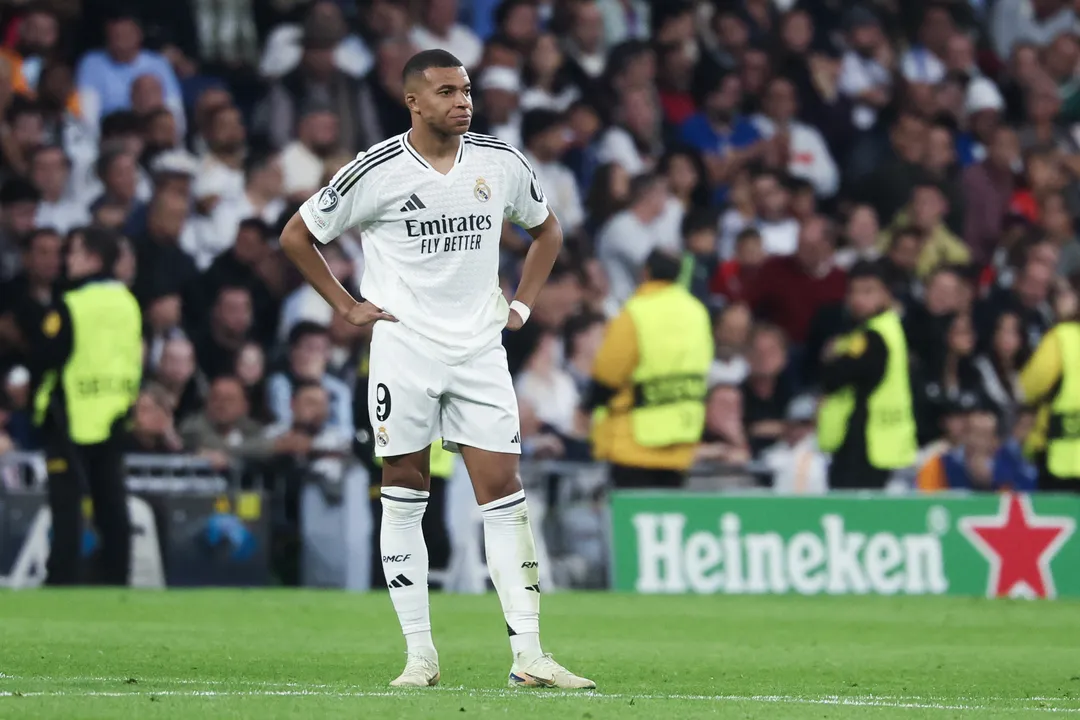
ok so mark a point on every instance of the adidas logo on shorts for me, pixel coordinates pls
(517, 439)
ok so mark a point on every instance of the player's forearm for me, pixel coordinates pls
(299, 246)
(545, 248)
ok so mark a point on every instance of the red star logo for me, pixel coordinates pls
(1019, 546)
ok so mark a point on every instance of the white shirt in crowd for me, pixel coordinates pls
(562, 192)
(230, 212)
(431, 241)
(617, 146)
(779, 237)
(460, 41)
(800, 469)
(808, 156)
(554, 397)
(62, 215)
(301, 169)
(857, 75)
(624, 243)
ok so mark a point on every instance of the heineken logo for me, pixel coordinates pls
(975, 545)
(833, 561)
(1019, 546)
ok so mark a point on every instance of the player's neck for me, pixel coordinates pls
(432, 146)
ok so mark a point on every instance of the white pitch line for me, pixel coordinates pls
(461, 689)
(832, 700)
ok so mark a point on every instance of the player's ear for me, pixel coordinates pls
(410, 102)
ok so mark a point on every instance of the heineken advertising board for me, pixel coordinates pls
(989, 545)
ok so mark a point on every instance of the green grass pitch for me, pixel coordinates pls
(319, 654)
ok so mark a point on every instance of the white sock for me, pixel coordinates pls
(405, 564)
(511, 560)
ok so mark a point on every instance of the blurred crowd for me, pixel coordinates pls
(770, 143)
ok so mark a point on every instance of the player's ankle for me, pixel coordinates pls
(526, 648)
(420, 643)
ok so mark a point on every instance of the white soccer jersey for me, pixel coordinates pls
(431, 241)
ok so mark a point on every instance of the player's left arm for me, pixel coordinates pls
(529, 209)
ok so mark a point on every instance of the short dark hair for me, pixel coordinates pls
(18, 190)
(22, 106)
(642, 184)
(578, 324)
(426, 60)
(103, 244)
(257, 160)
(699, 219)
(304, 329)
(902, 232)
(537, 122)
(257, 224)
(663, 266)
(300, 386)
(867, 269)
(28, 242)
(121, 122)
(750, 233)
(40, 149)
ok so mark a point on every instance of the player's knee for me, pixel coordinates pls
(404, 474)
(497, 487)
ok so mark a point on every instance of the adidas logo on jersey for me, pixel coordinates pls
(413, 204)
(517, 439)
(401, 581)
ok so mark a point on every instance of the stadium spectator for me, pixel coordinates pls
(731, 335)
(724, 439)
(104, 77)
(798, 466)
(309, 355)
(18, 209)
(926, 215)
(25, 299)
(544, 136)
(176, 372)
(225, 429)
(50, 171)
(980, 462)
(789, 290)
(765, 392)
(651, 222)
(154, 428)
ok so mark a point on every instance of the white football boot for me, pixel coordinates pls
(420, 671)
(545, 672)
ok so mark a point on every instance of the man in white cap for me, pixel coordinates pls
(500, 88)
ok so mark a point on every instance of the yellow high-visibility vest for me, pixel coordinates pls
(675, 351)
(1063, 433)
(100, 380)
(891, 441)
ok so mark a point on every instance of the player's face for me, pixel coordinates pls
(443, 99)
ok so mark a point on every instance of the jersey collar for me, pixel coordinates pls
(407, 146)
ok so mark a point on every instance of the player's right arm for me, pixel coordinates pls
(331, 211)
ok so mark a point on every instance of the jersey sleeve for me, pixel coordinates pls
(527, 205)
(347, 201)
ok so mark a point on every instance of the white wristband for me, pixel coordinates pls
(521, 309)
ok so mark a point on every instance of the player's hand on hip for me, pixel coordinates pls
(364, 313)
(514, 321)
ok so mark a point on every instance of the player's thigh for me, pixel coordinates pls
(480, 415)
(403, 395)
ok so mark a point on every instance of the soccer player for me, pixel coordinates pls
(430, 205)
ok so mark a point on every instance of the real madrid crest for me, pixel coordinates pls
(482, 191)
(381, 438)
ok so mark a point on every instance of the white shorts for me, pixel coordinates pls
(414, 399)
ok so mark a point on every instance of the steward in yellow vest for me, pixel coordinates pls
(87, 366)
(867, 420)
(647, 395)
(1052, 378)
